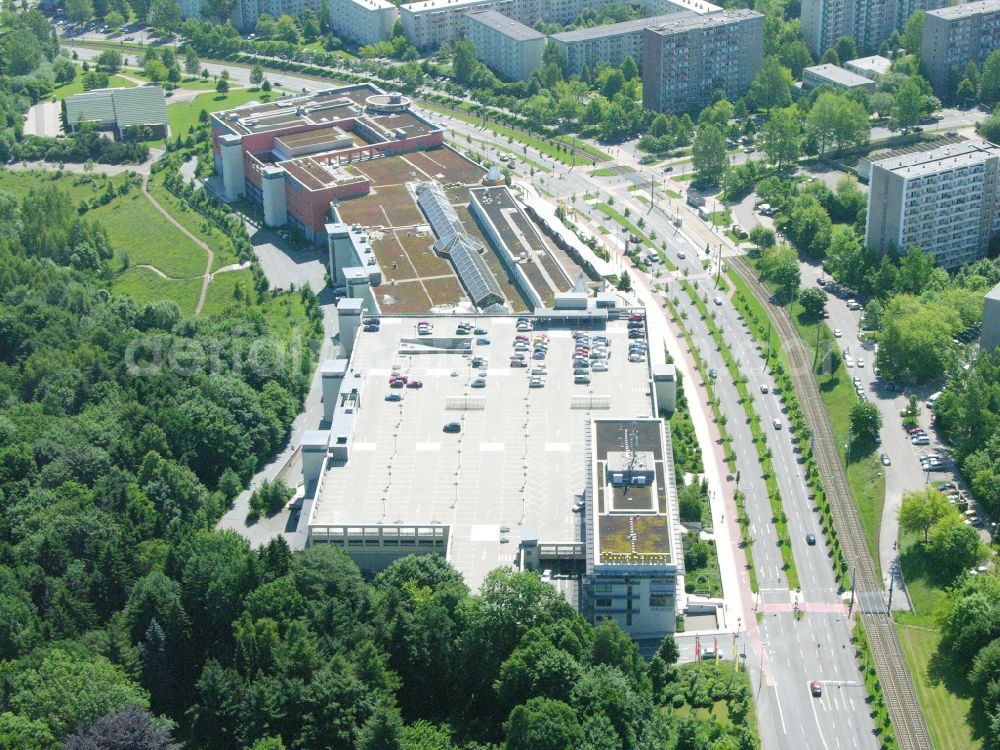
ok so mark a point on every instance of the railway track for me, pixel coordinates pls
(890, 664)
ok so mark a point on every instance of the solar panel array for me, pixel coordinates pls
(464, 250)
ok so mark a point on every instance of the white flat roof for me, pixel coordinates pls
(950, 156)
(520, 460)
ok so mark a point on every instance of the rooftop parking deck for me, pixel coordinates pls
(520, 460)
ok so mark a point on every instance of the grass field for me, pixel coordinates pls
(78, 186)
(220, 291)
(145, 286)
(612, 171)
(939, 689)
(196, 224)
(137, 228)
(183, 115)
(721, 218)
(76, 86)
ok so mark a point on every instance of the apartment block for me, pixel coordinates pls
(943, 201)
(868, 22)
(611, 43)
(687, 59)
(990, 338)
(832, 75)
(430, 23)
(190, 8)
(956, 36)
(507, 47)
(246, 12)
(363, 21)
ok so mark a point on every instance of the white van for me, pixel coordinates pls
(933, 399)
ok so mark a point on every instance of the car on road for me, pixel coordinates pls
(708, 653)
(713, 373)
(764, 388)
(837, 333)
(811, 540)
(717, 300)
(393, 397)
(668, 169)
(578, 506)
(776, 424)
(816, 688)
(681, 255)
(861, 361)
(886, 461)
(452, 426)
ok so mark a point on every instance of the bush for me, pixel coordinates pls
(269, 498)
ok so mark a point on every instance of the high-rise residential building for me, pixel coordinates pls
(942, 201)
(430, 23)
(507, 47)
(363, 21)
(190, 8)
(990, 338)
(358, 21)
(688, 59)
(956, 36)
(246, 12)
(868, 22)
(610, 43)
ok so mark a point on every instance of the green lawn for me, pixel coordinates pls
(145, 286)
(939, 689)
(684, 177)
(136, 227)
(612, 171)
(672, 193)
(76, 87)
(195, 223)
(78, 186)
(721, 218)
(220, 291)
(183, 115)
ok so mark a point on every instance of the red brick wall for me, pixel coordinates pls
(312, 207)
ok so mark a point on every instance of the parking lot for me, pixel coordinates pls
(518, 460)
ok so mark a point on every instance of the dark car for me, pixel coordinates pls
(393, 397)
(811, 540)
(415, 384)
(453, 427)
(816, 688)
(371, 329)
